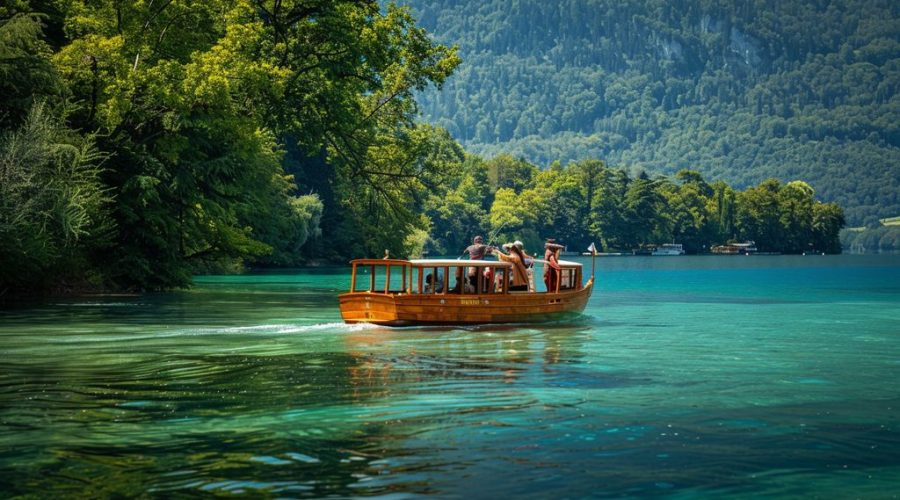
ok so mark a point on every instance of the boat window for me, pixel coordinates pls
(429, 280)
(381, 278)
(361, 278)
(461, 282)
(567, 280)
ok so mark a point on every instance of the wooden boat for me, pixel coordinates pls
(397, 292)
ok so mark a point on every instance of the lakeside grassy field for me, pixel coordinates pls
(890, 221)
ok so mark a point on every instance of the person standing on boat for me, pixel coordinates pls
(528, 260)
(519, 271)
(477, 250)
(551, 268)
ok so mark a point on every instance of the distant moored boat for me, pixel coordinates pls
(669, 249)
(745, 248)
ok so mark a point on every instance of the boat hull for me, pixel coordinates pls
(451, 309)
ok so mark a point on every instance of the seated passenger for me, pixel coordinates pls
(432, 285)
(468, 288)
(462, 283)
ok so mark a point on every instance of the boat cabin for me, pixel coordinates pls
(446, 277)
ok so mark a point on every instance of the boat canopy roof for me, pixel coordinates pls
(460, 262)
(446, 262)
(430, 262)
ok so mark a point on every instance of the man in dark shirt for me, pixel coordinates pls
(477, 250)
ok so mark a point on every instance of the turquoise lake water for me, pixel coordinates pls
(763, 376)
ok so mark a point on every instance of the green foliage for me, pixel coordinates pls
(347, 72)
(504, 171)
(193, 103)
(882, 238)
(415, 242)
(285, 224)
(26, 74)
(739, 91)
(587, 202)
(643, 211)
(456, 206)
(507, 211)
(53, 206)
(689, 211)
(827, 221)
(758, 215)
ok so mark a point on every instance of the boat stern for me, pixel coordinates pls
(365, 307)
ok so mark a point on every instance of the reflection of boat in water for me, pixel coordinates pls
(669, 249)
(745, 248)
(396, 292)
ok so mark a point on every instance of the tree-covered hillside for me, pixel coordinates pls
(740, 91)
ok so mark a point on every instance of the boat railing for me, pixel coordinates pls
(570, 275)
(396, 276)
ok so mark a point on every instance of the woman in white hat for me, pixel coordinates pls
(519, 271)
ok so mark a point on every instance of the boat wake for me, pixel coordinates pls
(281, 329)
(163, 333)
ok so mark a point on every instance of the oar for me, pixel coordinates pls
(495, 233)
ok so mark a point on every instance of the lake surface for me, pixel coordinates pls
(686, 377)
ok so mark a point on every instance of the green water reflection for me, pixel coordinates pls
(767, 377)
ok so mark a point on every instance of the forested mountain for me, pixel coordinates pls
(739, 90)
